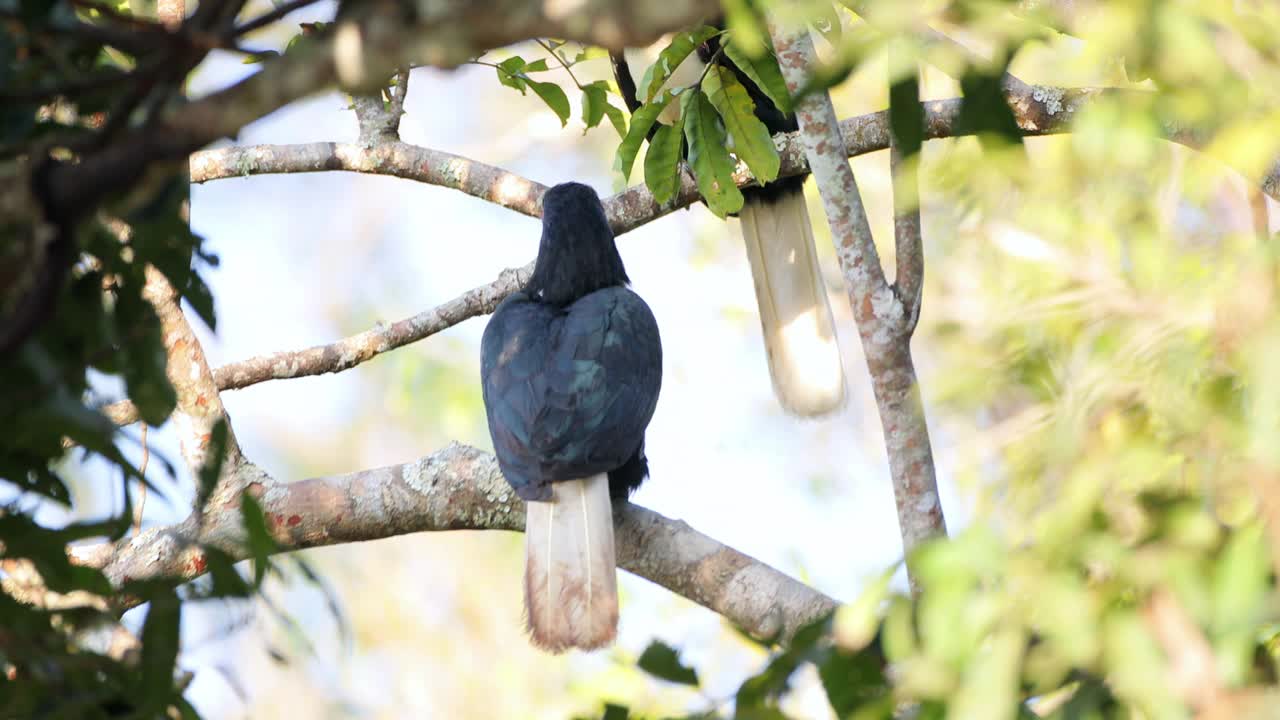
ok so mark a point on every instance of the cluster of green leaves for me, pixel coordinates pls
(712, 123)
(716, 124)
(29, 68)
(516, 73)
(855, 679)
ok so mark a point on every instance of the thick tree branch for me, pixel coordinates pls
(461, 488)
(199, 411)
(884, 324)
(356, 54)
(391, 157)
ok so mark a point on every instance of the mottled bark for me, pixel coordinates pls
(461, 488)
(379, 119)
(199, 407)
(884, 322)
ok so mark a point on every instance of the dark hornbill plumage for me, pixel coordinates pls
(571, 367)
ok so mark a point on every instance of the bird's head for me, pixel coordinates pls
(577, 255)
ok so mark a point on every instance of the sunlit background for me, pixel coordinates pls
(1055, 292)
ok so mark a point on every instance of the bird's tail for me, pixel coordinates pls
(799, 334)
(570, 577)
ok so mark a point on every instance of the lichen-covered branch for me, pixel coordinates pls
(391, 157)
(884, 323)
(461, 488)
(379, 120)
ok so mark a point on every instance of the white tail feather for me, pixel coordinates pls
(799, 334)
(570, 576)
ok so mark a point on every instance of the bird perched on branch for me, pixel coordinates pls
(795, 317)
(571, 367)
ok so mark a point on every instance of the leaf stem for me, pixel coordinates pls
(559, 59)
(710, 64)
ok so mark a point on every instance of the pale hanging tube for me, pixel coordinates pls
(795, 317)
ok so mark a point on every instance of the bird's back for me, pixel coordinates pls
(569, 390)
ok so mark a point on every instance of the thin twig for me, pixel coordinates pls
(559, 59)
(266, 19)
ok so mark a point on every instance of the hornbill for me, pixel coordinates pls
(571, 367)
(795, 317)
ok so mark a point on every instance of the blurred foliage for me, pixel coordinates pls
(63, 91)
(1101, 306)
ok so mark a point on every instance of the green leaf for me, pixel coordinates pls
(1240, 589)
(990, 687)
(509, 73)
(671, 57)
(46, 549)
(258, 538)
(215, 455)
(145, 362)
(641, 121)
(617, 119)
(662, 163)
(200, 297)
(594, 102)
(985, 112)
(762, 68)
(906, 114)
(554, 97)
(539, 65)
(758, 690)
(40, 480)
(226, 580)
(751, 140)
(259, 56)
(708, 156)
(615, 712)
(826, 20)
(590, 52)
(899, 630)
(855, 680)
(160, 635)
(808, 635)
(745, 25)
(759, 712)
(186, 710)
(662, 661)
